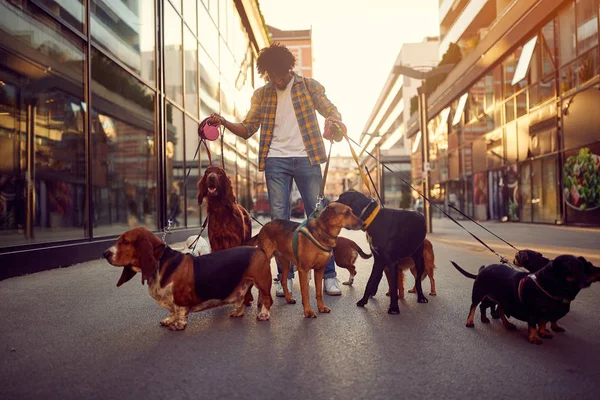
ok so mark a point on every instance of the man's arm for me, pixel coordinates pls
(322, 104)
(250, 125)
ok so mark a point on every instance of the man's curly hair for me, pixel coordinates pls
(276, 59)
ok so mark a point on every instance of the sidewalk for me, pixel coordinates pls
(551, 240)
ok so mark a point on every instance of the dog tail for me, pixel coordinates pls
(462, 271)
(253, 241)
(360, 251)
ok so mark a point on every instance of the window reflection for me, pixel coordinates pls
(175, 166)
(125, 28)
(191, 73)
(173, 56)
(191, 164)
(42, 143)
(123, 150)
(71, 12)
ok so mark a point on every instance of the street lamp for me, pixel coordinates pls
(423, 73)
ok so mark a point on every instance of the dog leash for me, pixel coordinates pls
(502, 259)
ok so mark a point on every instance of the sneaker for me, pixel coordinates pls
(279, 288)
(332, 287)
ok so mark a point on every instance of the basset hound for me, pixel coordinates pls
(183, 283)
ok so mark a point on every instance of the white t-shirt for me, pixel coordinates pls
(287, 138)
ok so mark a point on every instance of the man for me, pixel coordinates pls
(291, 146)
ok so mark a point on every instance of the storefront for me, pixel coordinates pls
(98, 123)
(522, 143)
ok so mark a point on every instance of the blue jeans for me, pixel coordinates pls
(279, 173)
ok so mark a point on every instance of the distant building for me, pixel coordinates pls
(300, 44)
(384, 134)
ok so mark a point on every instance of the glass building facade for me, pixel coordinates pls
(524, 142)
(100, 102)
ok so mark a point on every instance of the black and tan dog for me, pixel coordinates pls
(392, 235)
(315, 242)
(533, 261)
(183, 283)
(533, 298)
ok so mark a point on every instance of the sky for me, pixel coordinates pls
(355, 45)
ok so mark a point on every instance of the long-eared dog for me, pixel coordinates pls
(229, 223)
(392, 235)
(182, 283)
(533, 261)
(345, 253)
(307, 246)
(534, 298)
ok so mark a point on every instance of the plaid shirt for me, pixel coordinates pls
(308, 95)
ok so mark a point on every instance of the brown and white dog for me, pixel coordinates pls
(182, 283)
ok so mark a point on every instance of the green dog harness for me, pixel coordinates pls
(304, 230)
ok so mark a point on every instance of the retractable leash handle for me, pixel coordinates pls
(334, 131)
(208, 131)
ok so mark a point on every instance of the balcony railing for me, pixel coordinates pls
(579, 71)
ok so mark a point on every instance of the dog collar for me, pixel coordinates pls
(371, 217)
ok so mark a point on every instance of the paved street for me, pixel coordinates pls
(71, 334)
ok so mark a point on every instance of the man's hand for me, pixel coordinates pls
(216, 119)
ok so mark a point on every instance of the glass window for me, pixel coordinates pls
(192, 164)
(191, 72)
(587, 25)
(508, 67)
(208, 34)
(69, 11)
(524, 61)
(549, 48)
(566, 34)
(521, 102)
(123, 150)
(509, 110)
(42, 187)
(175, 167)
(476, 100)
(189, 14)
(126, 30)
(209, 85)
(173, 54)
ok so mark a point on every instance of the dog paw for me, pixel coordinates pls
(263, 316)
(361, 303)
(309, 314)
(432, 293)
(393, 310)
(413, 290)
(177, 325)
(546, 335)
(324, 309)
(535, 340)
(557, 328)
(236, 313)
(347, 283)
(470, 325)
(423, 300)
(291, 300)
(165, 322)
(485, 320)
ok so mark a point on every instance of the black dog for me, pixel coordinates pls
(533, 298)
(392, 236)
(534, 261)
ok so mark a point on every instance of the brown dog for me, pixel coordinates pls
(314, 245)
(346, 252)
(407, 263)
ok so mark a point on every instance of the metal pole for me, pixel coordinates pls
(422, 103)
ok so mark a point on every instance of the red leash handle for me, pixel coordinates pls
(334, 130)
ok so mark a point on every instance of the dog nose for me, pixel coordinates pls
(107, 254)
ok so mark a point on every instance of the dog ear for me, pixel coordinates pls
(229, 196)
(126, 275)
(201, 189)
(148, 261)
